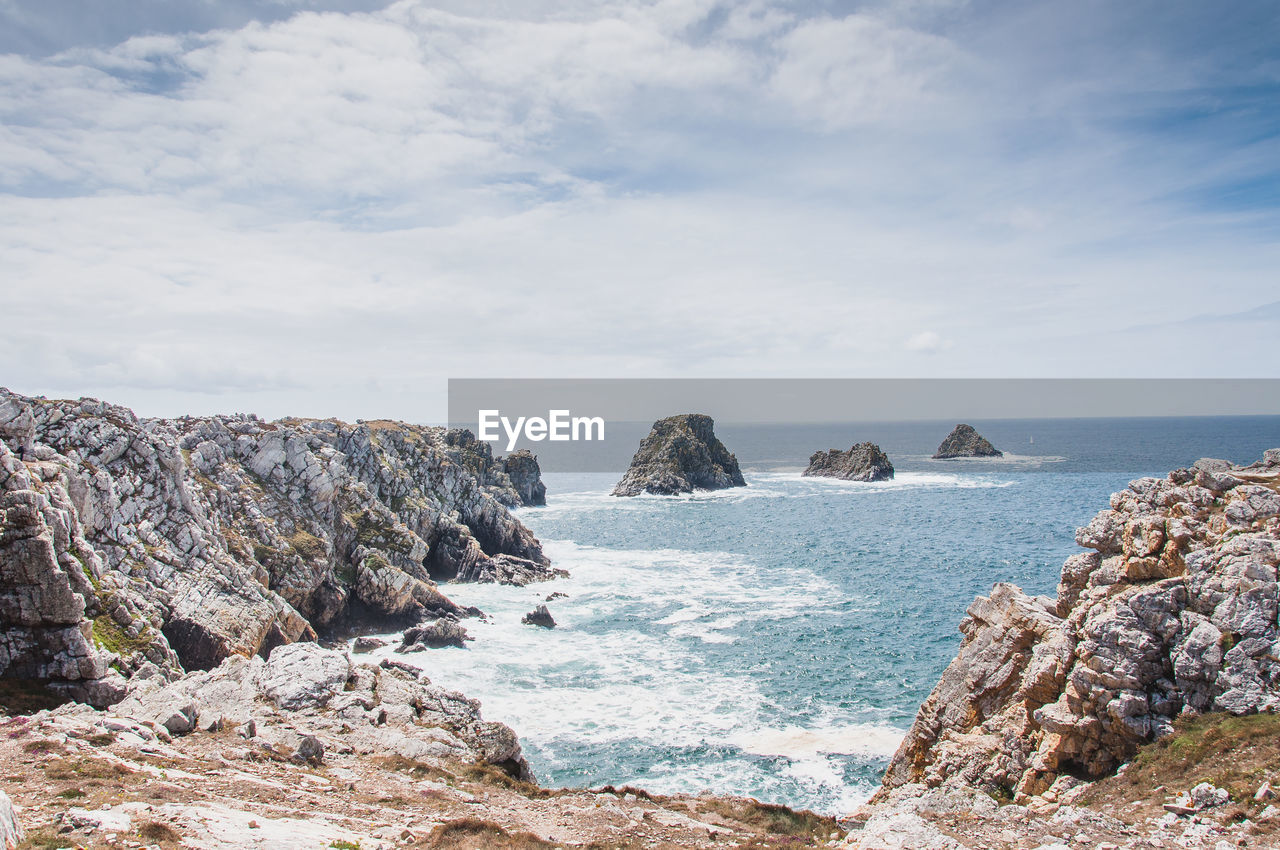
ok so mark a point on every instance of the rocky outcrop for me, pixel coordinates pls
(303, 690)
(680, 455)
(1171, 611)
(521, 468)
(539, 616)
(964, 441)
(862, 462)
(171, 545)
(433, 634)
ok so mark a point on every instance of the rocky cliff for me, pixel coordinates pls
(1171, 612)
(168, 545)
(681, 454)
(964, 441)
(862, 462)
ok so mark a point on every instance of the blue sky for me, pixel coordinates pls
(329, 208)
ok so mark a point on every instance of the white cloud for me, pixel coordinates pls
(926, 342)
(277, 212)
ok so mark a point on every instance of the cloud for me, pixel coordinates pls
(271, 212)
(926, 342)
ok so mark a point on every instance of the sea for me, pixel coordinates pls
(775, 641)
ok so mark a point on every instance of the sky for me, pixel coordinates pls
(329, 208)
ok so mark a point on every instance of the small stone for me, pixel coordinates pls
(310, 750)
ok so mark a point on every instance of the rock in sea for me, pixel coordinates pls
(539, 616)
(863, 462)
(680, 455)
(964, 441)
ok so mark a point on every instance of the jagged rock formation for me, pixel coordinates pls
(964, 441)
(862, 462)
(433, 634)
(521, 467)
(303, 690)
(539, 616)
(1173, 610)
(681, 454)
(173, 544)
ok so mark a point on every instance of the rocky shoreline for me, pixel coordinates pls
(177, 573)
(1169, 616)
(130, 545)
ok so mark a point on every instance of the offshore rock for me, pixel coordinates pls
(1172, 611)
(681, 454)
(131, 544)
(433, 635)
(862, 462)
(521, 467)
(964, 441)
(539, 616)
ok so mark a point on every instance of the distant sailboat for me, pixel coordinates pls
(1032, 441)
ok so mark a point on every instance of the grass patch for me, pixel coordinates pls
(43, 747)
(343, 844)
(1235, 753)
(66, 770)
(308, 545)
(45, 838)
(474, 834)
(413, 767)
(71, 794)
(489, 774)
(770, 818)
(154, 832)
(110, 635)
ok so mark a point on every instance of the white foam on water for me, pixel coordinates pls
(809, 485)
(801, 743)
(588, 680)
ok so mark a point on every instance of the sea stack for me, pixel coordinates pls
(966, 442)
(526, 477)
(863, 462)
(680, 455)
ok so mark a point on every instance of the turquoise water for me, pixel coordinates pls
(775, 641)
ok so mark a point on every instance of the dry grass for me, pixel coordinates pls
(154, 832)
(68, 769)
(476, 834)
(1235, 753)
(773, 820)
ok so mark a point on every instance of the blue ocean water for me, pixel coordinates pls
(776, 640)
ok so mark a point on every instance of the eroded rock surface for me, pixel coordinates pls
(964, 441)
(862, 462)
(129, 544)
(681, 454)
(1172, 610)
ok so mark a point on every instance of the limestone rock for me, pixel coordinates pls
(433, 635)
(526, 477)
(1174, 611)
(681, 454)
(303, 676)
(539, 616)
(11, 834)
(862, 462)
(175, 544)
(964, 441)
